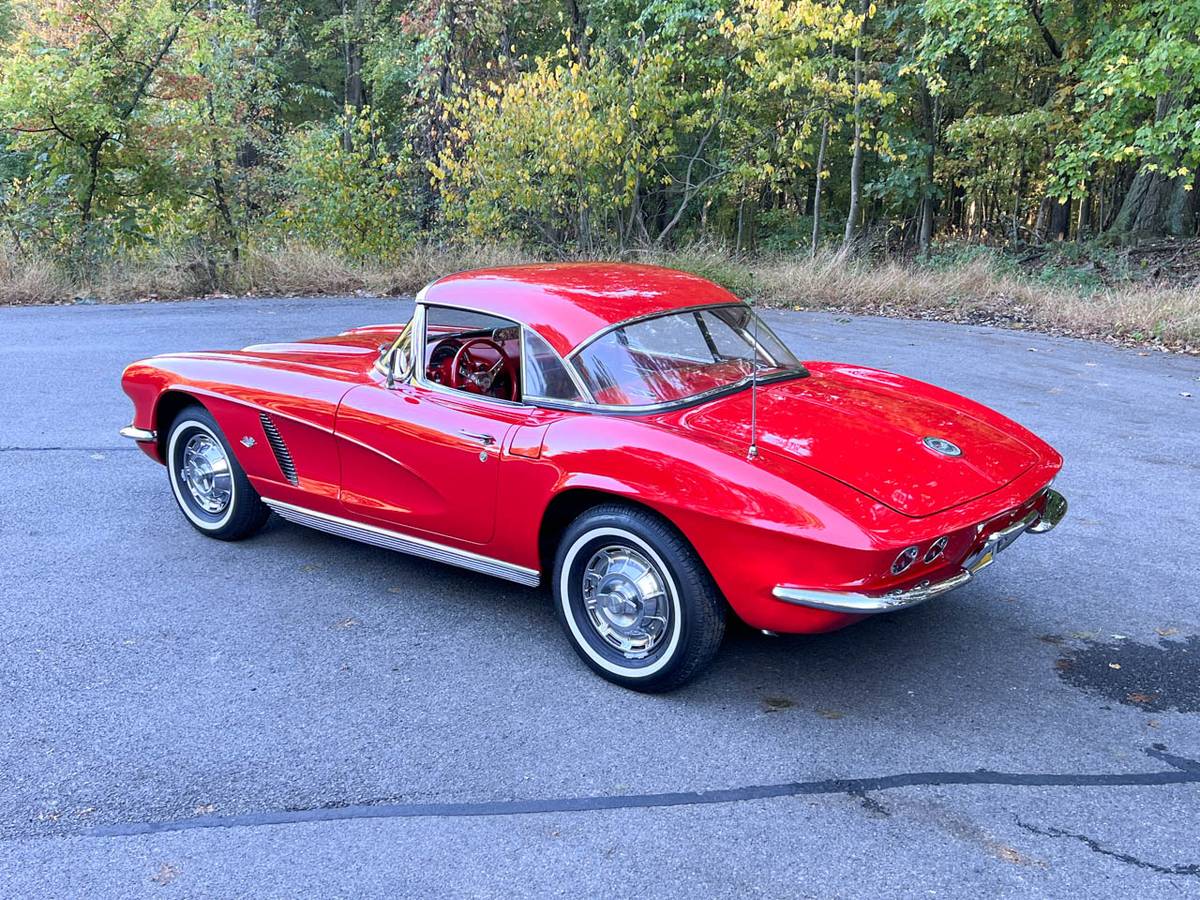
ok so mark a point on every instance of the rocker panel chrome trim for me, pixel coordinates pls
(403, 543)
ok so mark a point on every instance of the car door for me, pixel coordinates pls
(423, 457)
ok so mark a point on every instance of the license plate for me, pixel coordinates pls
(984, 560)
(1006, 541)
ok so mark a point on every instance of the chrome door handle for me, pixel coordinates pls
(484, 439)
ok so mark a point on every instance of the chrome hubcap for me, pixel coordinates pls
(626, 600)
(206, 474)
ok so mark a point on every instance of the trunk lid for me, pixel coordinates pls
(866, 428)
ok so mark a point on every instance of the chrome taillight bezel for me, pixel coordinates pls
(905, 558)
(936, 549)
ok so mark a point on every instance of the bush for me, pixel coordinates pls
(346, 192)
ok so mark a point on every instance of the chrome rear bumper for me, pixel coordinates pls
(1037, 522)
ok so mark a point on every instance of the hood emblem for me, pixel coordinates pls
(942, 446)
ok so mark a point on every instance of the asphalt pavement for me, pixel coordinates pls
(300, 715)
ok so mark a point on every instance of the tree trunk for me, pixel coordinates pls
(930, 106)
(851, 232)
(579, 30)
(354, 22)
(1039, 223)
(89, 193)
(816, 229)
(1183, 212)
(1060, 220)
(1157, 204)
(1083, 225)
(1018, 191)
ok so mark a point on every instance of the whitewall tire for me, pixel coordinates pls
(635, 601)
(210, 486)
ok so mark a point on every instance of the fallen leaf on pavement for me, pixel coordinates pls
(775, 704)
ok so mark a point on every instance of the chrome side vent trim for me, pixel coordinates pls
(403, 543)
(283, 456)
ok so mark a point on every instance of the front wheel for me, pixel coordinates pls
(637, 603)
(210, 486)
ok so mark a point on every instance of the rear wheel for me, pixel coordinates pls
(209, 485)
(635, 600)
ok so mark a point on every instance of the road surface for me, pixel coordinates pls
(183, 717)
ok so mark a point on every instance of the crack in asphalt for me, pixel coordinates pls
(14, 449)
(1191, 869)
(1183, 771)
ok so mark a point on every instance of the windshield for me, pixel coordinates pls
(675, 357)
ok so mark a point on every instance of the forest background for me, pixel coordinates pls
(1031, 163)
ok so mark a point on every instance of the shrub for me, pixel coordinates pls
(346, 192)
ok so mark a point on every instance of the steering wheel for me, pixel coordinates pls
(481, 367)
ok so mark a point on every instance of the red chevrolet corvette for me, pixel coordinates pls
(634, 436)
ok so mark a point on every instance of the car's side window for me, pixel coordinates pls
(546, 376)
(473, 352)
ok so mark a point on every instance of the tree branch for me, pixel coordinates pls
(1035, 9)
(144, 82)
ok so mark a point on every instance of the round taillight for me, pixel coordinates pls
(936, 549)
(907, 557)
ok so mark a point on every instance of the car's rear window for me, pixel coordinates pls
(671, 358)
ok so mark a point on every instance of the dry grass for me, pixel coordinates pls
(302, 270)
(295, 270)
(29, 280)
(976, 290)
(427, 263)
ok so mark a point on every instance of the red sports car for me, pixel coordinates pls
(634, 436)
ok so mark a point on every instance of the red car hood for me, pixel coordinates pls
(865, 428)
(353, 351)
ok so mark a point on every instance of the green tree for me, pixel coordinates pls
(121, 110)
